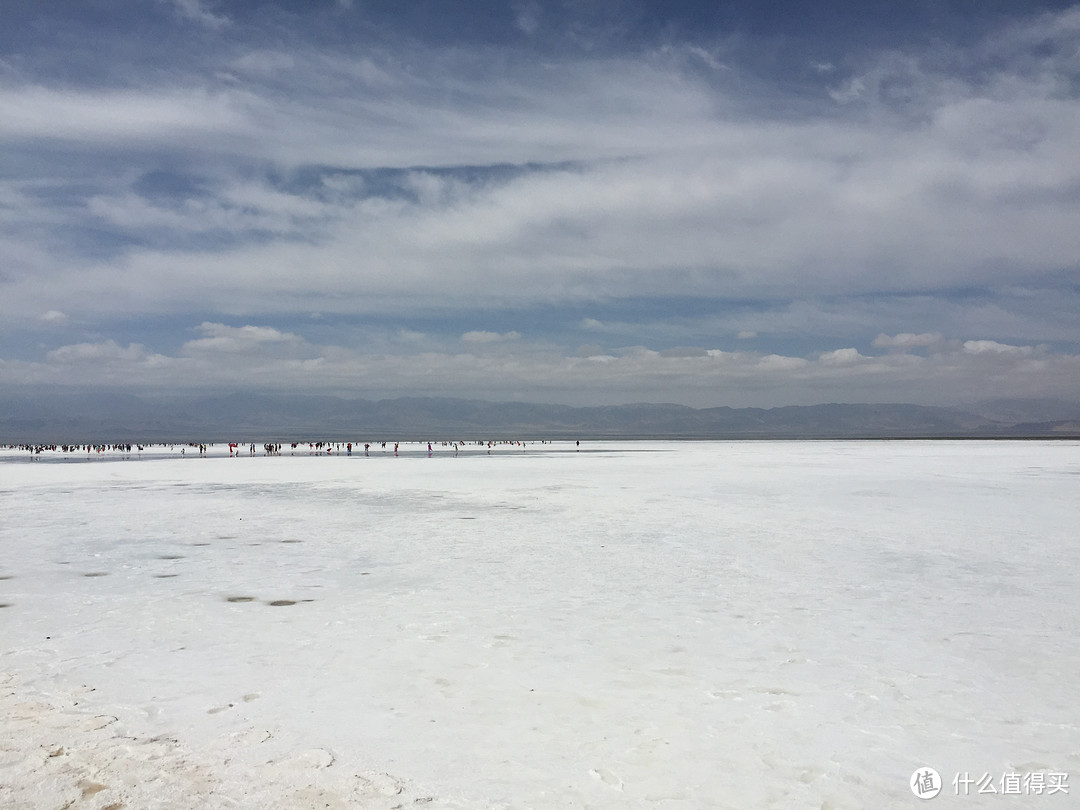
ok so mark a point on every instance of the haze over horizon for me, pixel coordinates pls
(582, 203)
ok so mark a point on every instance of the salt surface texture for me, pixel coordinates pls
(636, 625)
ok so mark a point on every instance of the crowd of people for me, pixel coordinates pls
(236, 449)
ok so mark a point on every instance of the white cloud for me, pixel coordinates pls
(907, 340)
(238, 357)
(994, 348)
(666, 195)
(197, 11)
(104, 118)
(841, 357)
(231, 339)
(480, 336)
(107, 350)
(612, 179)
(53, 316)
(106, 362)
(780, 363)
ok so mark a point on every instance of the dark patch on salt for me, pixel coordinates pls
(240, 599)
(281, 603)
(91, 788)
(97, 574)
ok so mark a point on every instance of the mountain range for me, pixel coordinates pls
(60, 418)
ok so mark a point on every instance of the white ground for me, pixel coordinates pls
(637, 625)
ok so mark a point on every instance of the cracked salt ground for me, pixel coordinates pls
(86, 761)
(707, 625)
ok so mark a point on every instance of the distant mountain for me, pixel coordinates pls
(1026, 410)
(108, 418)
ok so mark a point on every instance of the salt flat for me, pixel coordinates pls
(636, 625)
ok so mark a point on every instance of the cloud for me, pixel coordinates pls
(105, 351)
(488, 337)
(991, 347)
(53, 316)
(841, 357)
(906, 340)
(234, 340)
(820, 210)
(407, 185)
(106, 119)
(197, 11)
(270, 359)
(101, 364)
(780, 363)
(527, 16)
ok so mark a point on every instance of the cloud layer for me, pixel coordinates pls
(480, 214)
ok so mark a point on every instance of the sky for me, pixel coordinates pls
(573, 201)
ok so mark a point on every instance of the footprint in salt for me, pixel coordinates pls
(91, 788)
(237, 599)
(250, 737)
(313, 759)
(281, 603)
(729, 694)
(96, 723)
(380, 784)
(607, 777)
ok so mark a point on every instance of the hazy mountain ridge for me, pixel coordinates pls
(82, 418)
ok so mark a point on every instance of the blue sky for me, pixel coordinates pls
(584, 201)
